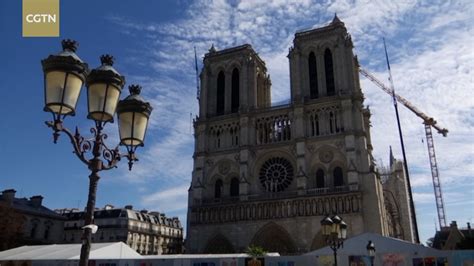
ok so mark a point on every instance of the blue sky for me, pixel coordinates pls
(432, 57)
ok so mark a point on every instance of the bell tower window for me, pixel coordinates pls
(235, 90)
(220, 93)
(328, 66)
(313, 76)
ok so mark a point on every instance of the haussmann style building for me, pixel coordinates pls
(149, 233)
(267, 175)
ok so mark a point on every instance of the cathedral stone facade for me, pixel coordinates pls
(267, 175)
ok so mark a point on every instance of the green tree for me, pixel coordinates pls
(11, 227)
(255, 251)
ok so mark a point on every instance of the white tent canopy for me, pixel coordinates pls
(357, 246)
(118, 250)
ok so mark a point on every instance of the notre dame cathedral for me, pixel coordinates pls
(267, 175)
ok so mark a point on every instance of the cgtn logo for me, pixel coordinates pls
(41, 18)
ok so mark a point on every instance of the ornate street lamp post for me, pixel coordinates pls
(371, 251)
(64, 75)
(334, 230)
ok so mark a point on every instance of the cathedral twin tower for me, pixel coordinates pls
(267, 175)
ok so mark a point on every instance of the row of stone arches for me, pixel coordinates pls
(323, 179)
(341, 204)
(271, 237)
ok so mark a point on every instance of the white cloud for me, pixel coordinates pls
(170, 200)
(423, 197)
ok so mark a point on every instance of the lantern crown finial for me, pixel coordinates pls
(107, 59)
(134, 89)
(70, 45)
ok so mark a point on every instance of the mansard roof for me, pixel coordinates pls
(23, 205)
(151, 217)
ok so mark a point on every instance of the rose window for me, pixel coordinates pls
(276, 174)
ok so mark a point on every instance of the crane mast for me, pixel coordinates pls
(428, 123)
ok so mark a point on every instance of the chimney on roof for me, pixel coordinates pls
(469, 228)
(144, 211)
(129, 207)
(8, 195)
(36, 201)
(108, 207)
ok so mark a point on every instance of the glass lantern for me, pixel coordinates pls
(326, 226)
(133, 114)
(104, 85)
(64, 75)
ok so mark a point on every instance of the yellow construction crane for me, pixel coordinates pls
(428, 122)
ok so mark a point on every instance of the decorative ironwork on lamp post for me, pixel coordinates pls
(371, 251)
(64, 75)
(334, 230)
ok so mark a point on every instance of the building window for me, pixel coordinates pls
(235, 90)
(328, 66)
(220, 93)
(338, 177)
(34, 227)
(320, 178)
(313, 76)
(218, 189)
(46, 232)
(234, 187)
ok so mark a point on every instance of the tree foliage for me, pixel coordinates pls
(255, 251)
(11, 227)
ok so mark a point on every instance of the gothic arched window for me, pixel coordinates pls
(338, 177)
(235, 90)
(328, 66)
(234, 187)
(220, 93)
(313, 76)
(218, 189)
(320, 178)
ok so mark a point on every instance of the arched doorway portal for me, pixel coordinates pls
(274, 238)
